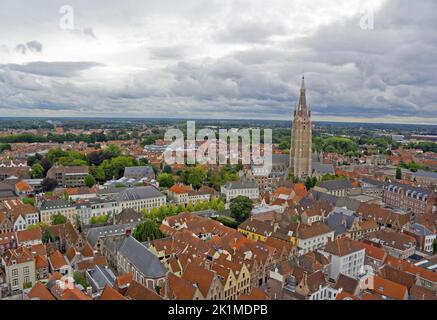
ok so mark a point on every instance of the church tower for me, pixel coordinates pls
(301, 138)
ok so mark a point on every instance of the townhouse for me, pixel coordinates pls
(411, 199)
(19, 267)
(140, 198)
(69, 177)
(246, 188)
(346, 256)
(396, 244)
(134, 257)
(49, 208)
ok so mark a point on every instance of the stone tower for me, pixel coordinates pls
(301, 138)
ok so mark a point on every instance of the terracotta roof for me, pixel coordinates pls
(342, 247)
(71, 253)
(123, 280)
(411, 268)
(200, 276)
(303, 231)
(346, 283)
(19, 255)
(74, 294)
(389, 288)
(398, 276)
(23, 186)
(22, 210)
(255, 295)
(29, 235)
(110, 293)
(420, 293)
(393, 239)
(40, 292)
(39, 249)
(346, 296)
(179, 288)
(373, 251)
(57, 260)
(41, 262)
(137, 291)
(180, 189)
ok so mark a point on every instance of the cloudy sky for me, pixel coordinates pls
(220, 58)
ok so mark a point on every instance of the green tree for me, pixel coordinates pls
(147, 231)
(99, 219)
(398, 173)
(194, 176)
(79, 278)
(47, 237)
(180, 208)
(28, 201)
(58, 219)
(165, 180)
(167, 169)
(90, 181)
(37, 171)
(240, 208)
(49, 184)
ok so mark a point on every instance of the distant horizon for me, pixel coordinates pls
(203, 119)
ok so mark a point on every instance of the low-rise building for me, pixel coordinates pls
(50, 208)
(396, 244)
(424, 237)
(140, 198)
(69, 177)
(19, 266)
(246, 188)
(96, 207)
(411, 199)
(134, 257)
(346, 256)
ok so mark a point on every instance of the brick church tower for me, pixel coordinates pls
(301, 138)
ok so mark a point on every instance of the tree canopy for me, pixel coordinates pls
(147, 231)
(240, 208)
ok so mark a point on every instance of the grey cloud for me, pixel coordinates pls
(34, 46)
(52, 69)
(251, 31)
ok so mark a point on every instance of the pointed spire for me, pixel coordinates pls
(302, 100)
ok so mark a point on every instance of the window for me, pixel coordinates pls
(26, 270)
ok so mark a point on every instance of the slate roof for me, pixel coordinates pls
(243, 184)
(143, 171)
(55, 204)
(139, 193)
(323, 168)
(340, 220)
(336, 184)
(101, 276)
(140, 256)
(95, 234)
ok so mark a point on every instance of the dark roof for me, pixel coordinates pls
(346, 283)
(128, 215)
(340, 221)
(140, 256)
(132, 194)
(94, 234)
(55, 204)
(143, 171)
(336, 184)
(242, 184)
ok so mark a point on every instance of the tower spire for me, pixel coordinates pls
(302, 99)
